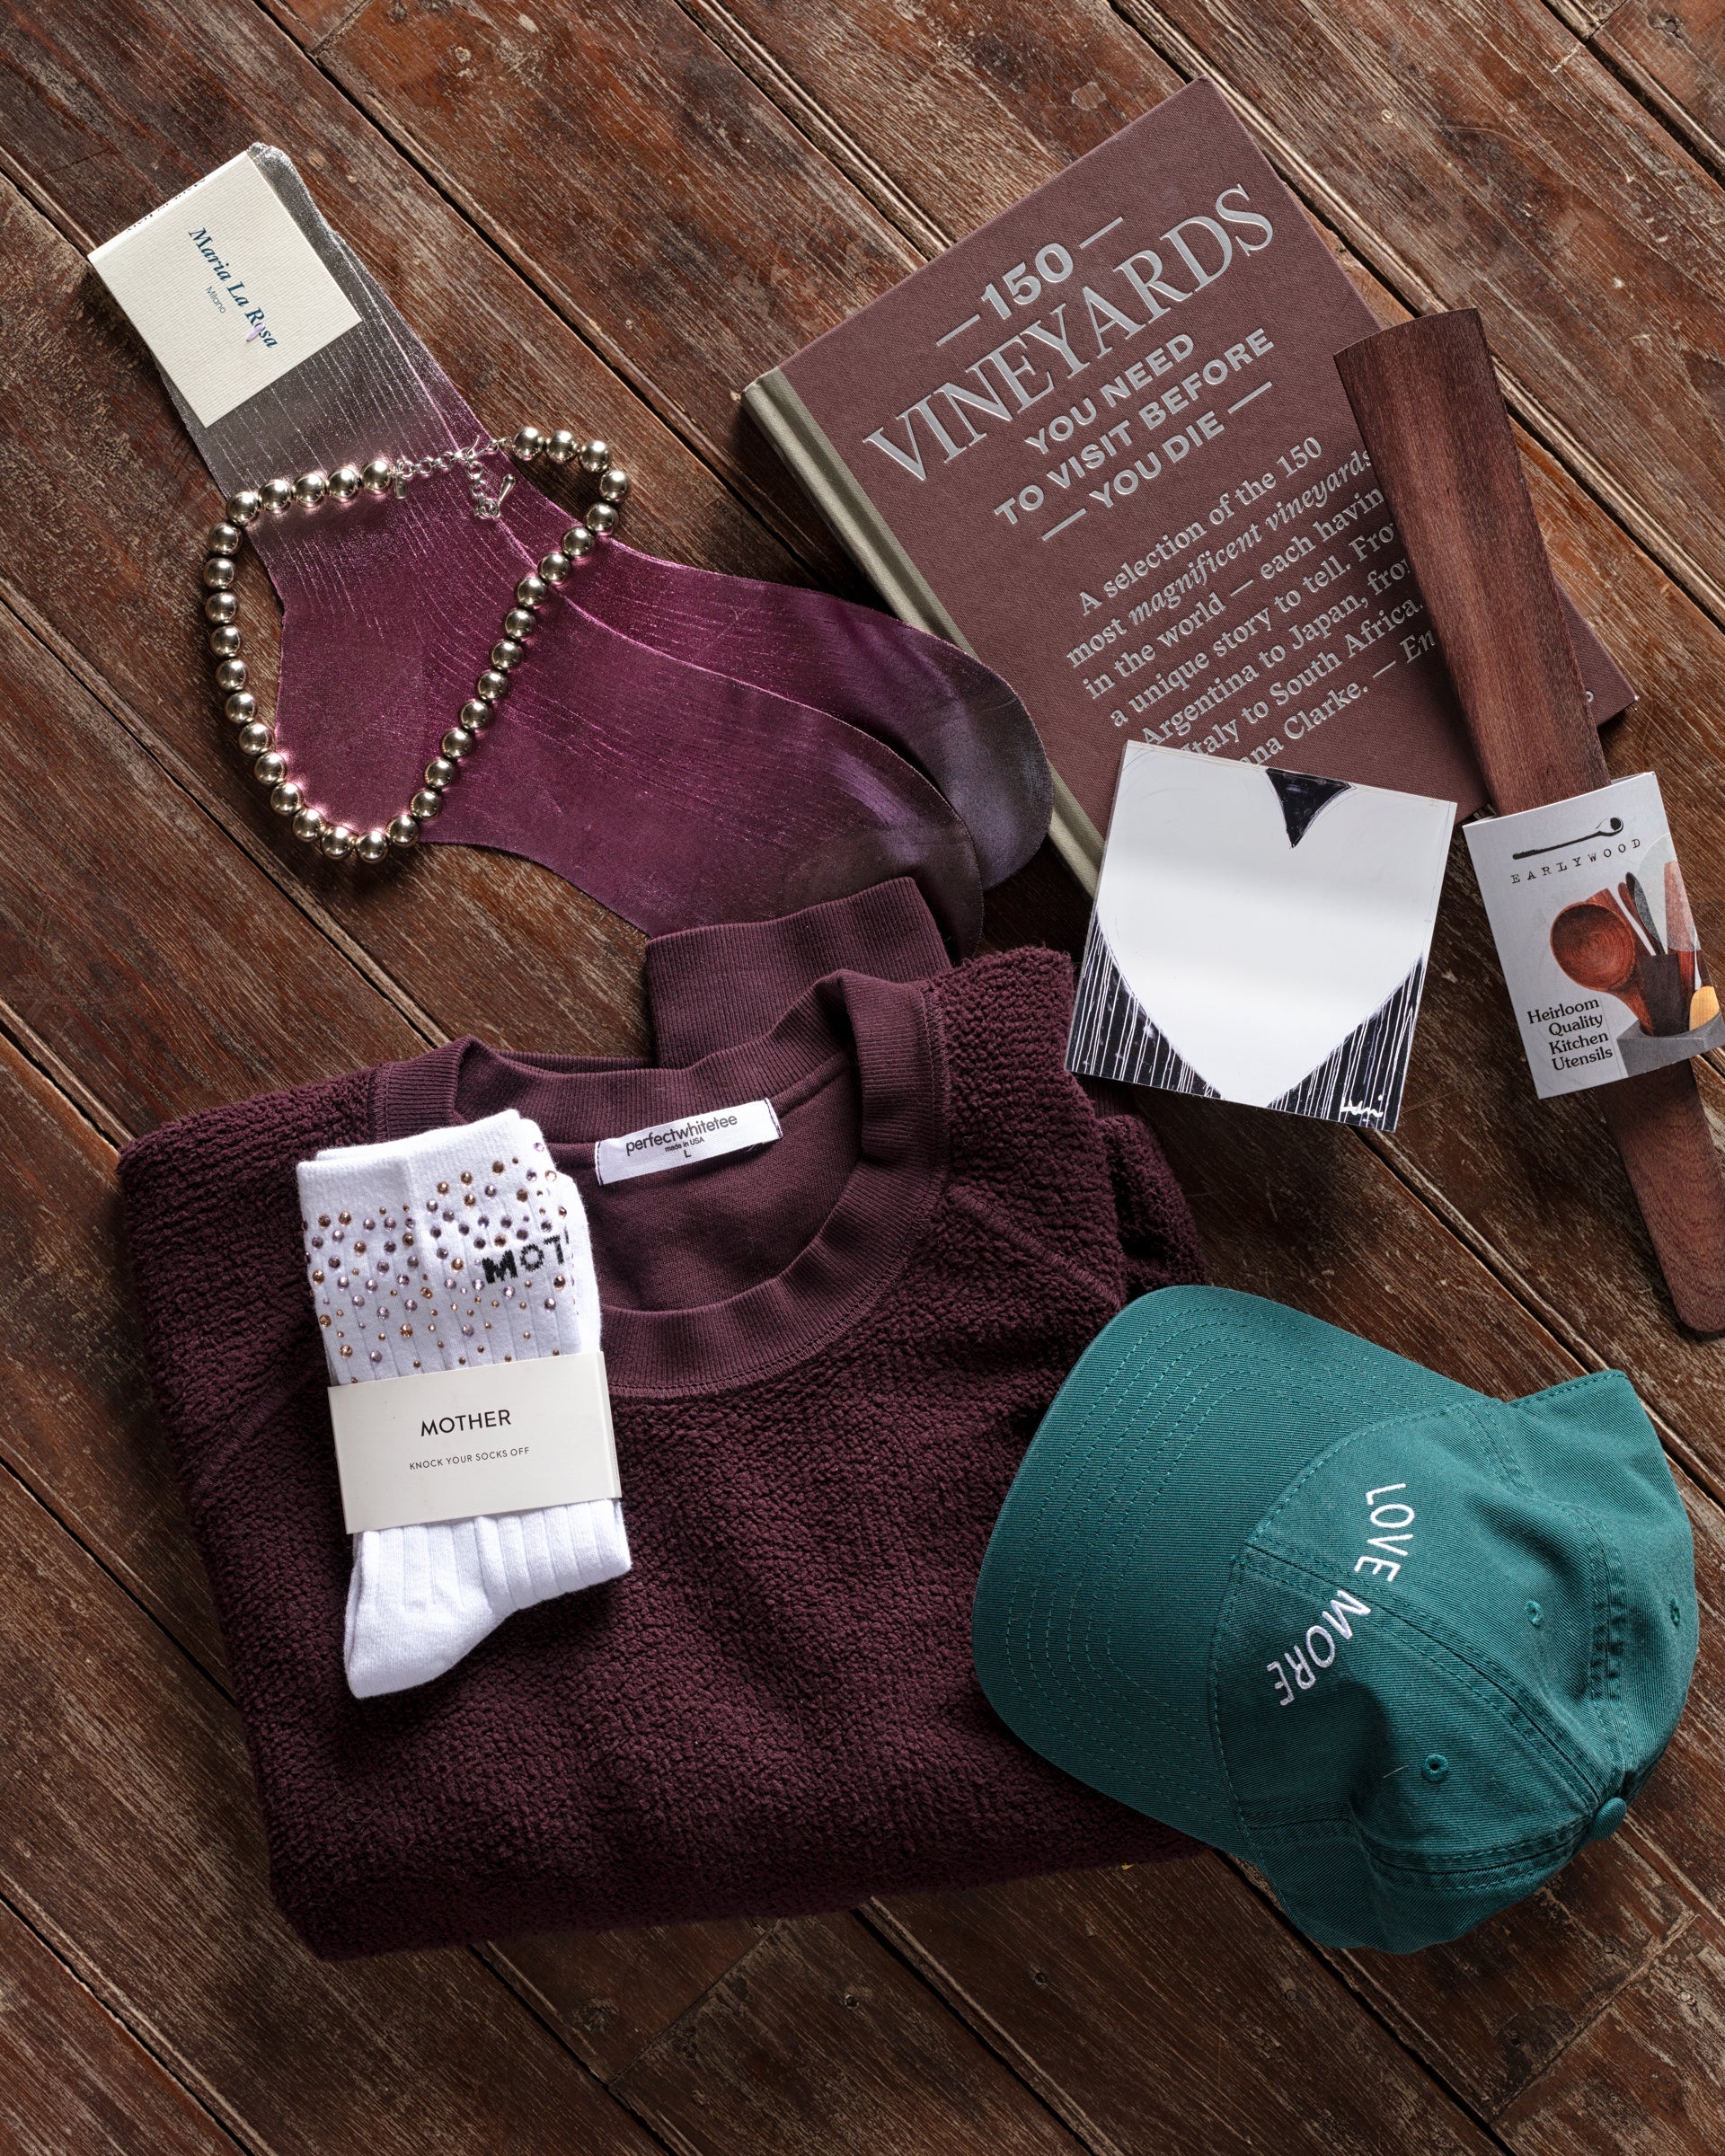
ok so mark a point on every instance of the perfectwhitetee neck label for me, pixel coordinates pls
(449, 1444)
(703, 1137)
(225, 288)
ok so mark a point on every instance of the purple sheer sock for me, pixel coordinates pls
(953, 718)
(687, 747)
(673, 793)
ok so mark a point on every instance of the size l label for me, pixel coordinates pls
(702, 1137)
(225, 288)
(447, 1445)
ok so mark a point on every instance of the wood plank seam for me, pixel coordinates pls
(237, 831)
(1545, 1313)
(102, 2006)
(723, 469)
(1065, 2107)
(45, 1501)
(1656, 1950)
(817, 127)
(312, 46)
(542, 2008)
(1705, 148)
(221, 1689)
(1359, 1988)
(1583, 17)
(1661, 1858)
(695, 437)
(1328, 207)
(43, 204)
(1480, 1245)
(538, 2009)
(59, 1075)
(1494, 1260)
(1337, 1967)
(555, 2032)
(1036, 2081)
(1171, 46)
(114, 1996)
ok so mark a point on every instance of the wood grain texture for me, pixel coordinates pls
(310, 22)
(608, 1996)
(1480, 155)
(1494, 2011)
(473, 938)
(88, 927)
(129, 1838)
(820, 2041)
(167, 90)
(1476, 1104)
(72, 2078)
(1648, 2078)
(81, 1435)
(1164, 2007)
(1674, 53)
(1440, 438)
(1583, 17)
(1679, 1818)
(709, 251)
(79, 1430)
(963, 106)
(1498, 2009)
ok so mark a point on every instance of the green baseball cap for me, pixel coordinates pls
(1404, 1646)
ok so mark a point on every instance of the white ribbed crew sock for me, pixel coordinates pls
(393, 1237)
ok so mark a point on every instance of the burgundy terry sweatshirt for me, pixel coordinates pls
(826, 1360)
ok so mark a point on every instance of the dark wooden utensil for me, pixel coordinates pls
(1596, 947)
(1634, 919)
(1429, 406)
(1660, 981)
(1644, 912)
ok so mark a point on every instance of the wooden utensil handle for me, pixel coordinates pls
(1429, 405)
(1433, 419)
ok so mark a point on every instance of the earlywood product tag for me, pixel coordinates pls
(702, 1137)
(225, 288)
(1592, 923)
(448, 1445)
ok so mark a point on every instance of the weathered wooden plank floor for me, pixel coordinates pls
(625, 209)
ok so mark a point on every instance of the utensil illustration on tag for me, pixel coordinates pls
(1606, 915)
(1617, 947)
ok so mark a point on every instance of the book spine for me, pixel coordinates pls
(786, 421)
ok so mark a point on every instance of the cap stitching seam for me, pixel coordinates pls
(1536, 1851)
(1493, 1686)
(1043, 1665)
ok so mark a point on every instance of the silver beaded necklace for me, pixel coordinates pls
(385, 475)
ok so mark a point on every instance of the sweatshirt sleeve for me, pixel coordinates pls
(1158, 1231)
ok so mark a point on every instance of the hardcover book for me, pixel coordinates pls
(1102, 443)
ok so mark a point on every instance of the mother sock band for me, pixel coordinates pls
(393, 1239)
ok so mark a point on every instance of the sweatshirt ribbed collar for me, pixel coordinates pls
(884, 1031)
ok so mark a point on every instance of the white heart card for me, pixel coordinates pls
(1259, 934)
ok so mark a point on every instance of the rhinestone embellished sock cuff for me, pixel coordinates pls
(394, 1234)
